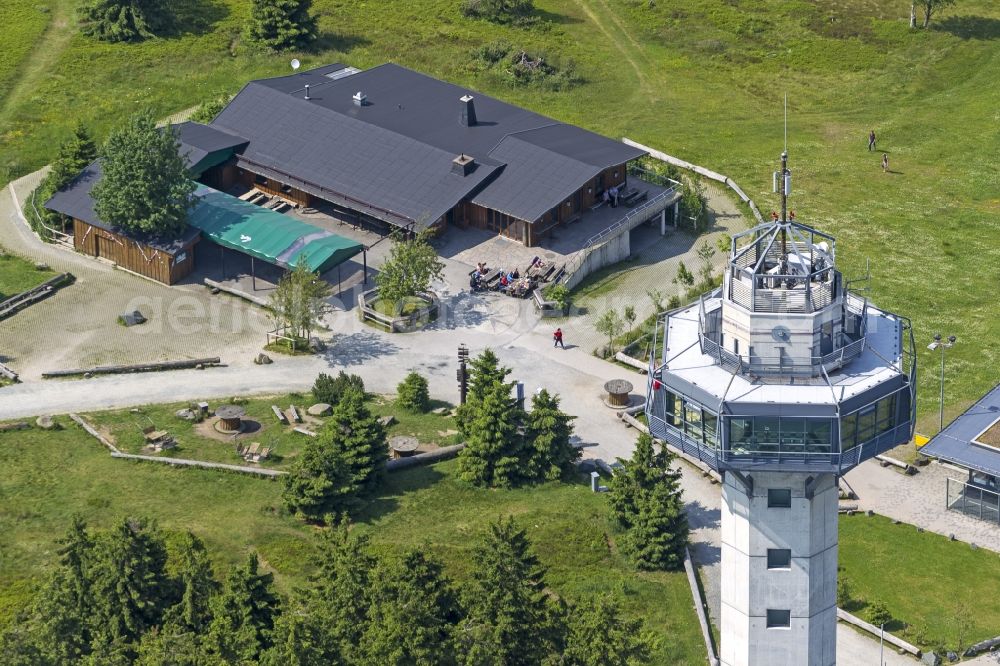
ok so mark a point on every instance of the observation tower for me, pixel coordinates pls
(781, 380)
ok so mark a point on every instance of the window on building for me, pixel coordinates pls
(848, 432)
(778, 619)
(711, 423)
(740, 434)
(779, 498)
(736, 346)
(866, 424)
(766, 433)
(260, 180)
(779, 558)
(692, 421)
(819, 433)
(885, 414)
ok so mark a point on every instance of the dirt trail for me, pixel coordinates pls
(617, 34)
(42, 58)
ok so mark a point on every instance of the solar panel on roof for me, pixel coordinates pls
(342, 73)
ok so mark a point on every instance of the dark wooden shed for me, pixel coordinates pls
(164, 261)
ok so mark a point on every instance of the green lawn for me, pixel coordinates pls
(17, 275)
(196, 441)
(932, 586)
(702, 80)
(47, 476)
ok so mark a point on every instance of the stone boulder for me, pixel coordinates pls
(186, 414)
(952, 656)
(316, 345)
(931, 659)
(263, 359)
(387, 421)
(45, 422)
(442, 411)
(320, 409)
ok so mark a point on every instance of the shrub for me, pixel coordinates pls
(878, 613)
(330, 389)
(518, 67)
(558, 293)
(412, 394)
(843, 592)
(500, 11)
(210, 108)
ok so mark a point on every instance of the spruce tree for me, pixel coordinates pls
(363, 444)
(598, 635)
(125, 20)
(173, 646)
(129, 584)
(280, 25)
(507, 620)
(316, 482)
(485, 372)
(337, 595)
(197, 584)
(412, 394)
(243, 614)
(646, 500)
(145, 186)
(411, 613)
(299, 640)
(494, 446)
(549, 454)
(75, 153)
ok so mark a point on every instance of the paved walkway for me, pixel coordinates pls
(919, 500)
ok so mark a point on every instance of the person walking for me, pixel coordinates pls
(557, 339)
(885, 162)
(871, 141)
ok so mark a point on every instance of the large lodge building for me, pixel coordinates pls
(387, 148)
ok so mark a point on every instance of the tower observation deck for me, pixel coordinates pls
(782, 379)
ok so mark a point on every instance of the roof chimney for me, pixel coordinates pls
(468, 117)
(360, 99)
(463, 165)
(307, 91)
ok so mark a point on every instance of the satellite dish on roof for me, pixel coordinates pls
(295, 63)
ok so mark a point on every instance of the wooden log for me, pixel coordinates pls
(139, 367)
(643, 368)
(305, 431)
(33, 295)
(184, 462)
(872, 629)
(886, 461)
(8, 373)
(428, 458)
(279, 414)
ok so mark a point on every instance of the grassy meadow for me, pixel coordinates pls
(703, 80)
(940, 592)
(17, 275)
(47, 475)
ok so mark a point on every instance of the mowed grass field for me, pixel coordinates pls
(701, 79)
(49, 475)
(18, 275)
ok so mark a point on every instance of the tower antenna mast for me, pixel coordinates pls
(785, 184)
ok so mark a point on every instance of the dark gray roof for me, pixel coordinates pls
(395, 152)
(198, 141)
(954, 443)
(75, 200)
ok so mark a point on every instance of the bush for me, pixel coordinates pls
(210, 108)
(878, 613)
(558, 293)
(517, 67)
(412, 394)
(843, 593)
(516, 12)
(330, 389)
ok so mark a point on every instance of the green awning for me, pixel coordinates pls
(268, 235)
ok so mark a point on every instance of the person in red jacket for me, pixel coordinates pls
(557, 339)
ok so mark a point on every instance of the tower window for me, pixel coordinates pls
(778, 619)
(779, 558)
(736, 347)
(779, 498)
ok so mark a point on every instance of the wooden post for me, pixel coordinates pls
(253, 274)
(364, 258)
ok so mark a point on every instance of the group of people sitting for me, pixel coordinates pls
(508, 280)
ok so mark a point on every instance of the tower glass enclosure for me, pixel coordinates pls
(781, 380)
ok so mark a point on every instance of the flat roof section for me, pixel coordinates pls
(684, 359)
(972, 439)
(265, 234)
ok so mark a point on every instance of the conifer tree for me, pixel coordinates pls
(75, 553)
(549, 454)
(507, 620)
(75, 153)
(125, 20)
(197, 584)
(145, 185)
(412, 394)
(363, 445)
(411, 613)
(316, 481)
(646, 500)
(299, 640)
(129, 584)
(494, 447)
(280, 25)
(243, 614)
(485, 372)
(173, 646)
(337, 593)
(598, 635)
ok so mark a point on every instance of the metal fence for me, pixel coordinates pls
(973, 501)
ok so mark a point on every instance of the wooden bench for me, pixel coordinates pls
(637, 198)
(280, 415)
(295, 414)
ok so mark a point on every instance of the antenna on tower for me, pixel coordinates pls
(786, 122)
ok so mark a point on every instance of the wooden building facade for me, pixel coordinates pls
(167, 262)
